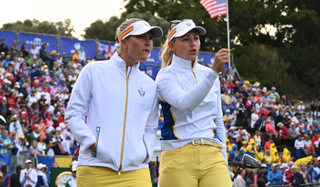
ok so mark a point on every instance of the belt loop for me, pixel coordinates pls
(193, 142)
(201, 141)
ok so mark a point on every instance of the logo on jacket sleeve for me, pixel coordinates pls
(141, 92)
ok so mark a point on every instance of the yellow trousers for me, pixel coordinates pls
(88, 176)
(194, 166)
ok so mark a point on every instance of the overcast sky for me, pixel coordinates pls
(81, 12)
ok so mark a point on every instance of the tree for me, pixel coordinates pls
(107, 30)
(262, 64)
(64, 28)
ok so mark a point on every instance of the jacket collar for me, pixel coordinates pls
(121, 64)
(183, 64)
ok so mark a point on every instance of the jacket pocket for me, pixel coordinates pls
(94, 154)
(147, 152)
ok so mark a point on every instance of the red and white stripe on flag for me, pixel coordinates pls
(215, 7)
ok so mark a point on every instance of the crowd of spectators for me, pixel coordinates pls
(261, 123)
(35, 89)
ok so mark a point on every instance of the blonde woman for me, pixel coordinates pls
(193, 134)
(118, 138)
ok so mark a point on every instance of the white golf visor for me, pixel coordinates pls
(183, 28)
(140, 27)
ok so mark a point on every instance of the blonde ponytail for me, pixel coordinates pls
(123, 26)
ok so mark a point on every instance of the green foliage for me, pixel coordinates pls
(107, 30)
(260, 63)
(64, 28)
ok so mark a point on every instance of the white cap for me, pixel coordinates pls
(273, 88)
(290, 163)
(42, 93)
(292, 123)
(227, 110)
(58, 129)
(55, 83)
(74, 167)
(140, 27)
(286, 113)
(264, 89)
(23, 112)
(284, 166)
(232, 127)
(20, 95)
(318, 158)
(15, 116)
(301, 101)
(28, 161)
(263, 165)
(39, 166)
(74, 162)
(274, 164)
(183, 28)
(254, 89)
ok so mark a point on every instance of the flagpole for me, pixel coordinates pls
(228, 33)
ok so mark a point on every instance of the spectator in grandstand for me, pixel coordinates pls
(34, 51)
(43, 51)
(240, 156)
(307, 143)
(283, 134)
(299, 145)
(296, 177)
(28, 175)
(34, 151)
(15, 47)
(274, 94)
(301, 106)
(82, 56)
(5, 172)
(6, 61)
(293, 134)
(249, 178)
(303, 171)
(263, 172)
(42, 177)
(309, 173)
(13, 180)
(234, 71)
(42, 146)
(225, 100)
(3, 47)
(75, 57)
(239, 180)
(274, 176)
(24, 50)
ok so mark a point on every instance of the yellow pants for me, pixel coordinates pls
(194, 166)
(91, 176)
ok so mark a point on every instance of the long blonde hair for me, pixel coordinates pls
(166, 51)
(123, 26)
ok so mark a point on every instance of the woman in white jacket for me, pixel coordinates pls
(193, 134)
(121, 106)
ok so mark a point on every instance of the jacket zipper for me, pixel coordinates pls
(192, 69)
(125, 119)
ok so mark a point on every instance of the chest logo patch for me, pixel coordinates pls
(141, 91)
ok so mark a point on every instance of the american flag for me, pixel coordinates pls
(215, 7)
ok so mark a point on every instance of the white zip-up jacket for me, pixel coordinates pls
(191, 104)
(121, 108)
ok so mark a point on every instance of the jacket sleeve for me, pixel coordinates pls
(22, 178)
(298, 181)
(34, 177)
(270, 179)
(220, 126)
(309, 173)
(277, 176)
(284, 177)
(77, 109)
(150, 135)
(170, 91)
(316, 176)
